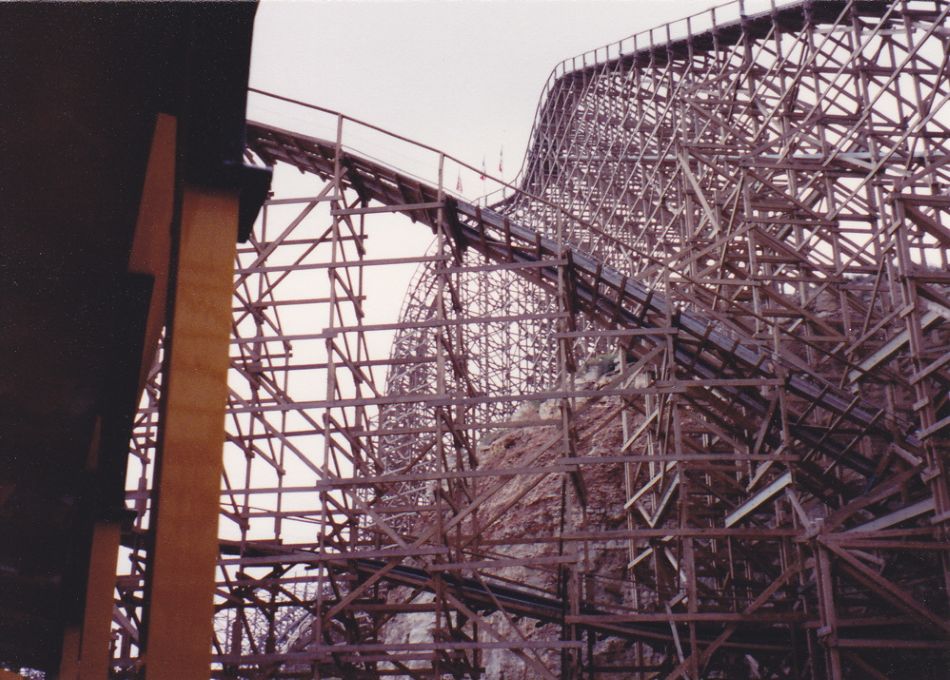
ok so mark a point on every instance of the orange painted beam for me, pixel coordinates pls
(180, 610)
(68, 662)
(151, 244)
(97, 617)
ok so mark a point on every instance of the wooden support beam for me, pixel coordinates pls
(97, 621)
(896, 517)
(891, 347)
(887, 590)
(758, 499)
(180, 613)
(399, 207)
(150, 244)
(69, 656)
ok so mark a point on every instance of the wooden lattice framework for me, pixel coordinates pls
(748, 214)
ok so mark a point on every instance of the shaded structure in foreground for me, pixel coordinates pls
(123, 134)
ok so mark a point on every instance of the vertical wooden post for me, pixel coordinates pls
(68, 660)
(179, 620)
(97, 618)
(441, 331)
(829, 617)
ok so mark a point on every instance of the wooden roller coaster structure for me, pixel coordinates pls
(746, 214)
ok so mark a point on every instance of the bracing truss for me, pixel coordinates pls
(673, 404)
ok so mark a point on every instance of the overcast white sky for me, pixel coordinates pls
(463, 76)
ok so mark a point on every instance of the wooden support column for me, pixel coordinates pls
(180, 615)
(69, 659)
(85, 654)
(93, 640)
(829, 618)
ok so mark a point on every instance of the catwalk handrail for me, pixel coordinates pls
(341, 118)
(512, 185)
(667, 32)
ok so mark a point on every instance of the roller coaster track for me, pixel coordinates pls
(628, 302)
